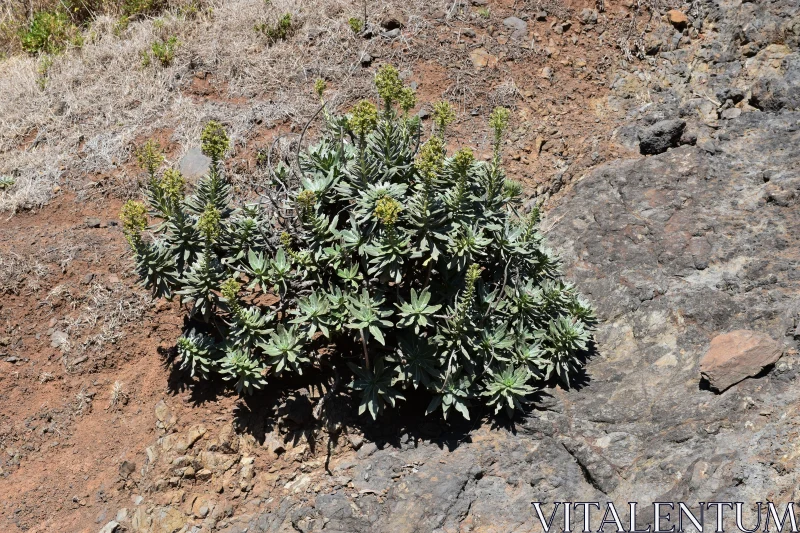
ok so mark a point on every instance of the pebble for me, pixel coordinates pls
(518, 26)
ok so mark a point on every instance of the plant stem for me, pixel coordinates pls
(364, 345)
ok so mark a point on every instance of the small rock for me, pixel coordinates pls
(194, 164)
(203, 505)
(366, 59)
(204, 474)
(93, 222)
(470, 33)
(11, 359)
(111, 527)
(355, 441)
(688, 137)
(274, 443)
(677, 19)
(5, 341)
(737, 355)
(482, 59)
(750, 49)
(391, 34)
(126, 469)
(541, 16)
(546, 73)
(731, 113)
(589, 16)
(652, 44)
(87, 278)
(661, 136)
(709, 146)
(113, 279)
(187, 439)
(162, 411)
(58, 339)
(424, 113)
(228, 440)
(518, 27)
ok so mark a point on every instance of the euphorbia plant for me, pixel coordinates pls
(419, 260)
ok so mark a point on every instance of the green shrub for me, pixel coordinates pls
(6, 182)
(138, 8)
(278, 31)
(163, 50)
(356, 24)
(414, 267)
(48, 31)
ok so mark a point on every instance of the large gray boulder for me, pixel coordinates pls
(673, 250)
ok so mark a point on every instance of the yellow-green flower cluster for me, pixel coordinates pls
(209, 223)
(214, 140)
(150, 156)
(430, 160)
(286, 240)
(229, 289)
(364, 118)
(387, 210)
(172, 184)
(498, 121)
(306, 199)
(463, 159)
(473, 273)
(134, 219)
(443, 115)
(389, 85)
(407, 99)
(320, 86)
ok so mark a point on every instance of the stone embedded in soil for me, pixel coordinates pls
(661, 136)
(58, 338)
(731, 113)
(111, 527)
(677, 18)
(737, 355)
(482, 59)
(126, 469)
(589, 16)
(162, 411)
(518, 27)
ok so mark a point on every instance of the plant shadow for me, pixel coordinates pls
(316, 409)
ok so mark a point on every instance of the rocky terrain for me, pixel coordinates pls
(672, 199)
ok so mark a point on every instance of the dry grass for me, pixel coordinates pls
(18, 272)
(99, 102)
(118, 396)
(104, 312)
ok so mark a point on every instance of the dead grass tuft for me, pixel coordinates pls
(97, 103)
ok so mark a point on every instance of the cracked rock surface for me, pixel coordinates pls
(673, 250)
